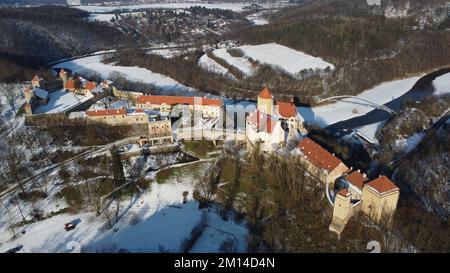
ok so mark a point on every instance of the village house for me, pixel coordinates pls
(44, 96)
(272, 124)
(79, 85)
(210, 108)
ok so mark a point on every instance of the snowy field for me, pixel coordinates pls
(94, 63)
(442, 85)
(237, 7)
(290, 60)
(210, 65)
(106, 17)
(257, 20)
(155, 221)
(240, 63)
(275, 55)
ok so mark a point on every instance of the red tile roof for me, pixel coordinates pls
(357, 179)
(36, 78)
(286, 109)
(90, 85)
(265, 93)
(262, 121)
(318, 156)
(173, 100)
(382, 185)
(70, 84)
(106, 112)
(344, 192)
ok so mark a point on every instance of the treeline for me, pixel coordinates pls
(286, 210)
(426, 174)
(185, 69)
(366, 48)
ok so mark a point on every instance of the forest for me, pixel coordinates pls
(32, 37)
(366, 47)
(287, 211)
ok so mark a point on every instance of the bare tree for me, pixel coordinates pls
(10, 93)
(16, 201)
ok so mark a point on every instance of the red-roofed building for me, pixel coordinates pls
(112, 112)
(321, 161)
(117, 117)
(380, 198)
(286, 109)
(264, 129)
(344, 192)
(354, 181)
(382, 185)
(70, 85)
(265, 94)
(377, 199)
(90, 85)
(209, 107)
(284, 122)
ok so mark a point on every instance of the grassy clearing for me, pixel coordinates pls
(180, 172)
(199, 147)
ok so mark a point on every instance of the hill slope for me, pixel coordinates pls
(46, 33)
(368, 44)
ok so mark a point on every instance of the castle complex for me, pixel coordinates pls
(353, 192)
(273, 123)
(272, 126)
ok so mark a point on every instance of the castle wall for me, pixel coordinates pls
(336, 173)
(378, 206)
(120, 119)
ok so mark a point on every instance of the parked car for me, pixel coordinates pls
(14, 249)
(69, 226)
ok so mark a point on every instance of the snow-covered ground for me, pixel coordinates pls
(278, 56)
(60, 101)
(210, 65)
(237, 7)
(410, 143)
(350, 108)
(442, 85)
(290, 60)
(240, 63)
(94, 63)
(257, 19)
(157, 220)
(170, 52)
(12, 121)
(369, 131)
(106, 17)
